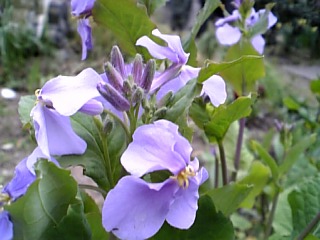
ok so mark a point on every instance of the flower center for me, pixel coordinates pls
(183, 176)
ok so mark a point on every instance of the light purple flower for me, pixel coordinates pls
(82, 9)
(136, 209)
(6, 226)
(229, 35)
(60, 98)
(178, 74)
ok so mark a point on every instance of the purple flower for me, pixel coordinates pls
(60, 98)
(136, 209)
(82, 9)
(6, 226)
(178, 74)
(229, 35)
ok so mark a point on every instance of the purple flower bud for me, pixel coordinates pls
(137, 95)
(113, 96)
(117, 61)
(114, 76)
(148, 75)
(137, 69)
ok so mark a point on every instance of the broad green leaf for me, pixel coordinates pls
(227, 199)
(295, 151)
(125, 19)
(26, 104)
(240, 222)
(305, 205)
(209, 224)
(267, 158)
(257, 178)
(94, 218)
(50, 209)
(215, 67)
(152, 5)
(199, 112)
(224, 116)
(189, 43)
(291, 104)
(315, 86)
(182, 101)
(243, 76)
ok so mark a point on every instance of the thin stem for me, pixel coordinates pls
(106, 157)
(309, 227)
(123, 125)
(216, 171)
(223, 163)
(271, 216)
(94, 188)
(242, 123)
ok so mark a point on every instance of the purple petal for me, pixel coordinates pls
(84, 30)
(92, 107)
(6, 226)
(135, 209)
(22, 179)
(54, 133)
(69, 93)
(35, 156)
(183, 210)
(258, 43)
(233, 17)
(215, 88)
(228, 35)
(272, 19)
(81, 7)
(187, 73)
(156, 146)
(166, 76)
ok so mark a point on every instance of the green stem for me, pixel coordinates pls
(123, 125)
(94, 188)
(309, 227)
(223, 163)
(271, 216)
(106, 157)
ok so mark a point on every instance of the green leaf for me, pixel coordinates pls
(227, 199)
(305, 205)
(209, 224)
(125, 19)
(291, 104)
(215, 67)
(244, 75)
(182, 101)
(26, 104)
(189, 43)
(266, 157)
(315, 86)
(295, 151)
(152, 5)
(261, 26)
(224, 116)
(50, 209)
(257, 178)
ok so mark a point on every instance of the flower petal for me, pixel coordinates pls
(35, 156)
(135, 209)
(156, 146)
(68, 94)
(272, 19)
(183, 210)
(6, 226)
(22, 179)
(84, 30)
(80, 7)
(258, 43)
(54, 133)
(215, 88)
(228, 35)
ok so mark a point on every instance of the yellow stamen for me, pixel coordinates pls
(183, 176)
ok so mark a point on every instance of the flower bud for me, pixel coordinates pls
(117, 61)
(113, 96)
(114, 76)
(107, 126)
(165, 100)
(137, 95)
(161, 112)
(148, 75)
(137, 69)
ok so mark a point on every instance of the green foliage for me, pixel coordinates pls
(51, 208)
(127, 24)
(152, 5)
(26, 104)
(209, 224)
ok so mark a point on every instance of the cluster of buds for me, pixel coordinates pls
(126, 85)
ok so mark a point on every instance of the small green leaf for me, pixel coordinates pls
(315, 86)
(26, 104)
(50, 209)
(257, 178)
(243, 76)
(227, 199)
(305, 205)
(215, 67)
(266, 157)
(291, 104)
(125, 19)
(295, 151)
(152, 5)
(224, 116)
(209, 224)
